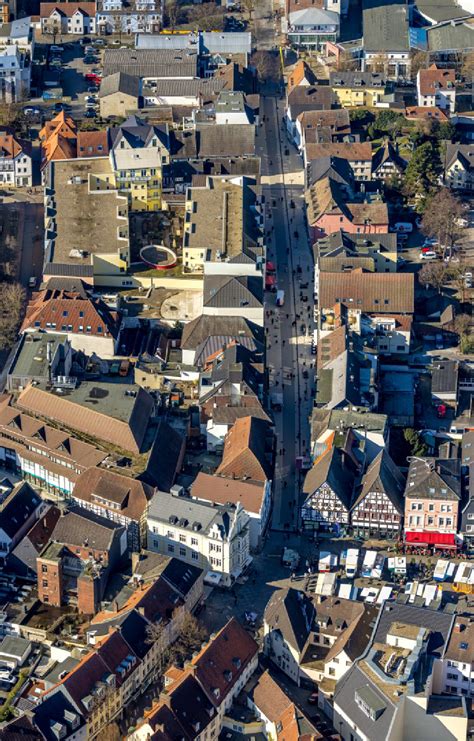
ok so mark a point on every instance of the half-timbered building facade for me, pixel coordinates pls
(328, 490)
(377, 509)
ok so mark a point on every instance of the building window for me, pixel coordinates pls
(195, 556)
(170, 548)
(182, 551)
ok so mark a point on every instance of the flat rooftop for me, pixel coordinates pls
(115, 400)
(216, 220)
(32, 358)
(85, 222)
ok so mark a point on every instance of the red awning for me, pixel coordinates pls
(444, 540)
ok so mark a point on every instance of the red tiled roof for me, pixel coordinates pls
(433, 79)
(68, 8)
(92, 143)
(68, 312)
(9, 146)
(415, 112)
(223, 660)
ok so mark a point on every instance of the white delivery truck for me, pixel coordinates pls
(369, 563)
(352, 561)
(327, 561)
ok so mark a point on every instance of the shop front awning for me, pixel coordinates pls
(438, 540)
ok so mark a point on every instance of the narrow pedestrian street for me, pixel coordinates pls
(288, 328)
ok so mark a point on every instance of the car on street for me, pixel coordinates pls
(91, 98)
(54, 48)
(90, 113)
(313, 698)
(90, 60)
(428, 255)
(85, 40)
(92, 88)
(98, 42)
(31, 111)
(430, 242)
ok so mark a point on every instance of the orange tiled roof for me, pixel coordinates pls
(58, 138)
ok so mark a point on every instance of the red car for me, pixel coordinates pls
(91, 77)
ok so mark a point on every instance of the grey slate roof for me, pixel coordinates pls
(383, 476)
(329, 468)
(79, 526)
(167, 88)
(165, 457)
(205, 515)
(357, 79)
(159, 64)
(336, 168)
(444, 377)
(344, 697)
(212, 140)
(120, 82)
(436, 621)
(385, 26)
(291, 612)
(17, 507)
(433, 478)
(203, 327)
(232, 292)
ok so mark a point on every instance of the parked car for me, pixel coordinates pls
(85, 40)
(98, 42)
(31, 111)
(92, 88)
(91, 98)
(90, 113)
(56, 49)
(430, 242)
(403, 226)
(428, 255)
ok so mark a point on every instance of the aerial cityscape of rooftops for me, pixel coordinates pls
(236, 370)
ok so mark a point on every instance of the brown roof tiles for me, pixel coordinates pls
(245, 451)
(92, 143)
(221, 490)
(387, 293)
(128, 496)
(433, 79)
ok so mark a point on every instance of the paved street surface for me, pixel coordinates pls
(289, 328)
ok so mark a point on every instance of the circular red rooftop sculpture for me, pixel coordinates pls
(158, 256)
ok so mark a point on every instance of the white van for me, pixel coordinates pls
(403, 226)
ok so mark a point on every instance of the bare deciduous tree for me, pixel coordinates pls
(267, 64)
(249, 6)
(12, 299)
(434, 274)
(441, 218)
